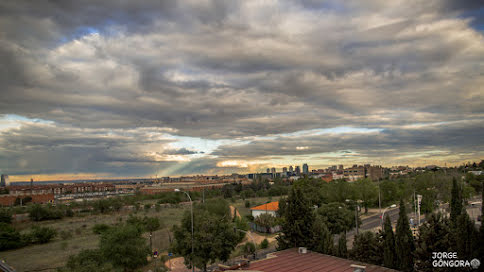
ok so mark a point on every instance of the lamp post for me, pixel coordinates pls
(357, 207)
(383, 214)
(252, 238)
(191, 211)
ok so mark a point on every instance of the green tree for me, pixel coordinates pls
(322, 240)
(481, 229)
(266, 221)
(455, 202)
(404, 244)
(337, 217)
(342, 248)
(10, 238)
(42, 235)
(5, 216)
(434, 236)
(86, 261)
(124, 247)
(366, 248)
(367, 191)
(389, 257)
(466, 237)
(297, 220)
(214, 238)
(264, 244)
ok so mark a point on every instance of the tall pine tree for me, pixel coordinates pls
(298, 218)
(389, 256)
(481, 230)
(434, 236)
(322, 241)
(342, 248)
(404, 244)
(366, 248)
(466, 237)
(455, 202)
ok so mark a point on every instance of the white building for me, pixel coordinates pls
(268, 208)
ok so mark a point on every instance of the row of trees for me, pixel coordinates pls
(303, 225)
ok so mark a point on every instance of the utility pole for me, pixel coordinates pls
(419, 199)
(379, 201)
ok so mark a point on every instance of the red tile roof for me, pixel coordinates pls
(272, 206)
(290, 260)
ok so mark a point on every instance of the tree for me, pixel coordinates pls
(481, 230)
(86, 261)
(214, 238)
(404, 244)
(389, 257)
(434, 236)
(342, 248)
(297, 221)
(265, 220)
(5, 216)
(455, 202)
(366, 248)
(264, 244)
(466, 236)
(124, 247)
(9, 237)
(366, 191)
(42, 235)
(337, 217)
(322, 240)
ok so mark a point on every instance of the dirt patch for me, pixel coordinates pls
(232, 208)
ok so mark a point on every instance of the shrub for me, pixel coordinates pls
(39, 213)
(247, 204)
(5, 216)
(100, 228)
(10, 238)
(248, 248)
(264, 244)
(42, 235)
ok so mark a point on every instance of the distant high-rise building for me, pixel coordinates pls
(273, 170)
(4, 180)
(305, 169)
(298, 170)
(284, 169)
(291, 169)
(268, 170)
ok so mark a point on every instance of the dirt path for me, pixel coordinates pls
(177, 265)
(232, 208)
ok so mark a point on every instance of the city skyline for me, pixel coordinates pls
(163, 88)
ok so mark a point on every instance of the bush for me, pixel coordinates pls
(147, 206)
(10, 238)
(100, 228)
(264, 244)
(248, 248)
(5, 216)
(39, 213)
(42, 235)
(247, 204)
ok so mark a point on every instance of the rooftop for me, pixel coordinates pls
(271, 206)
(290, 260)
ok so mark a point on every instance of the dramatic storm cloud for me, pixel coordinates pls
(145, 88)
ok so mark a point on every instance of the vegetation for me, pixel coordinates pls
(214, 236)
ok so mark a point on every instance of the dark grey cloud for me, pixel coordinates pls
(235, 71)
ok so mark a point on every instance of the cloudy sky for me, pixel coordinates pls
(92, 89)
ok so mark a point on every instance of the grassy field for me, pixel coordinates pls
(56, 253)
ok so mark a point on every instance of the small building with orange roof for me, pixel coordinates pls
(269, 208)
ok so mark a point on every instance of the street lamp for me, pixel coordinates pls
(383, 214)
(191, 211)
(357, 207)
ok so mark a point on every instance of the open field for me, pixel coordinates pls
(56, 253)
(79, 228)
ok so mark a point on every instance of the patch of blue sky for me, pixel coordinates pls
(477, 16)
(8, 121)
